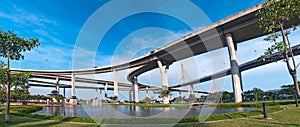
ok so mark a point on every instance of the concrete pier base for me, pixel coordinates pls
(73, 100)
(166, 100)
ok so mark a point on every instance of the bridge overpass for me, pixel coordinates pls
(225, 33)
(229, 32)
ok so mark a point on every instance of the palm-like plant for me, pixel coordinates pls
(257, 93)
(271, 95)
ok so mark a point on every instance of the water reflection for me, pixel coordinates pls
(122, 111)
(63, 110)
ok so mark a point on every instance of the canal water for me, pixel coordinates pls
(123, 111)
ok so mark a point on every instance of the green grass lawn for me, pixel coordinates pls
(17, 121)
(289, 117)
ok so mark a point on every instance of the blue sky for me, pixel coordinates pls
(57, 24)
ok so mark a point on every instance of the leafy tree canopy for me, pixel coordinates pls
(15, 45)
(275, 12)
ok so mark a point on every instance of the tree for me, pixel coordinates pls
(18, 80)
(59, 97)
(2, 95)
(11, 47)
(192, 97)
(290, 90)
(203, 97)
(248, 95)
(164, 93)
(146, 100)
(2, 64)
(271, 95)
(257, 93)
(227, 96)
(272, 18)
(179, 99)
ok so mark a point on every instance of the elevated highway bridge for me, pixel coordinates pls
(225, 33)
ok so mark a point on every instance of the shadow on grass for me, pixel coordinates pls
(16, 120)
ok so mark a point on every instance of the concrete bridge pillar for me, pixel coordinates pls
(164, 78)
(135, 90)
(236, 77)
(115, 74)
(73, 99)
(105, 91)
(154, 95)
(100, 97)
(97, 94)
(190, 90)
(147, 95)
(57, 85)
(130, 96)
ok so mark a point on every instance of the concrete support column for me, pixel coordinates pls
(73, 85)
(241, 82)
(192, 89)
(97, 94)
(64, 92)
(147, 95)
(164, 77)
(135, 90)
(130, 96)
(115, 83)
(180, 94)
(242, 85)
(105, 91)
(236, 78)
(73, 100)
(57, 85)
(100, 97)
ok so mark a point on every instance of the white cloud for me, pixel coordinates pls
(25, 18)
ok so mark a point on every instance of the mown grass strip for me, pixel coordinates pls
(235, 115)
(26, 110)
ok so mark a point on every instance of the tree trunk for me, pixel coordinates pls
(296, 86)
(294, 75)
(7, 114)
(293, 72)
